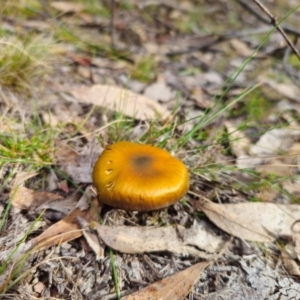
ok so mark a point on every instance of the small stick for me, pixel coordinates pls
(275, 23)
(248, 7)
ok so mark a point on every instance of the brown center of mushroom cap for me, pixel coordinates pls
(141, 162)
(139, 177)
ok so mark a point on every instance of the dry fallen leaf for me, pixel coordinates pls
(260, 154)
(275, 166)
(279, 139)
(120, 100)
(67, 7)
(66, 229)
(173, 287)
(64, 206)
(180, 241)
(291, 158)
(24, 198)
(183, 45)
(78, 166)
(64, 153)
(92, 239)
(288, 90)
(290, 264)
(267, 194)
(240, 145)
(243, 49)
(261, 222)
(159, 91)
(296, 237)
(239, 142)
(49, 118)
(23, 176)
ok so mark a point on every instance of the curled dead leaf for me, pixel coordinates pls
(120, 100)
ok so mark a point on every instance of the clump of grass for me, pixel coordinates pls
(95, 7)
(23, 147)
(255, 108)
(34, 146)
(23, 61)
(294, 61)
(20, 9)
(144, 69)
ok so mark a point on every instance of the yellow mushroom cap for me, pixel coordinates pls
(139, 177)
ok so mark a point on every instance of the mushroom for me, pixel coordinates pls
(139, 177)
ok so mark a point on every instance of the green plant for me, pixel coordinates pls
(22, 61)
(200, 146)
(95, 7)
(19, 9)
(144, 69)
(35, 148)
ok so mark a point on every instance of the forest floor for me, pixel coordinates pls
(213, 83)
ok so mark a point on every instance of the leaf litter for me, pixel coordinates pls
(194, 241)
(121, 100)
(193, 71)
(174, 287)
(260, 222)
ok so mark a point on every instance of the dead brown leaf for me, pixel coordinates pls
(261, 222)
(67, 7)
(121, 100)
(24, 198)
(64, 206)
(289, 263)
(173, 287)
(23, 176)
(275, 166)
(66, 229)
(279, 139)
(292, 187)
(92, 239)
(78, 166)
(267, 194)
(291, 157)
(49, 118)
(239, 142)
(159, 91)
(65, 154)
(296, 238)
(180, 241)
(243, 49)
(289, 90)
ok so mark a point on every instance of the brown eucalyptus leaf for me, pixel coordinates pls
(290, 264)
(66, 229)
(261, 222)
(24, 198)
(120, 100)
(67, 7)
(78, 166)
(178, 240)
(173, 287)
(92, 239)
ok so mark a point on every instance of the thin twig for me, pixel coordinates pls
(248, 7)
(275, 23)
